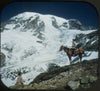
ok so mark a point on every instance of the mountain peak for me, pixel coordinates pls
(25, 15)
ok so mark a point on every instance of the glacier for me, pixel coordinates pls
(31, 41)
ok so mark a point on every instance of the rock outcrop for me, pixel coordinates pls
(2, 61)
(89, 42)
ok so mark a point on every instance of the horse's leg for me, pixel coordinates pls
(80, 56)
(70, 58)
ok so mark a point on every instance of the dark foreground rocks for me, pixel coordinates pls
(77, 76)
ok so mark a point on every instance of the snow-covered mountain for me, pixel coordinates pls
(31, 41)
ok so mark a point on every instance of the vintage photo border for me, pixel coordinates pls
(94, 3)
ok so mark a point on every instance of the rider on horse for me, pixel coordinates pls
(75, 50)
(75, 47)
(73, 44)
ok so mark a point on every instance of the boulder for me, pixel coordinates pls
(84, 80)
(93, 79)
(73, 85)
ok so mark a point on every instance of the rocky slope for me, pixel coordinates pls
(89, 42)
(75, 24)
(77, 76)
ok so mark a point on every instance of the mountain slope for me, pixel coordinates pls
(62, 78)
(30, 41)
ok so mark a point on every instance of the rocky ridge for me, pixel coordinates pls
(89, 42)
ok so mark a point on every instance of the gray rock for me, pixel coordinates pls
(92, 78)
(74, 84)
(84, 80)
(74, 24)
(17, 86)
(3, 58)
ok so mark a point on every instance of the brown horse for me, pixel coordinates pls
(70, 52)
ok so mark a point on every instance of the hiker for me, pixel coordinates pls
(19, 80)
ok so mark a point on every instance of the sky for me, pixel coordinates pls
(84, 12)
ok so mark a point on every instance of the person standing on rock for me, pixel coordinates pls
(19, 80)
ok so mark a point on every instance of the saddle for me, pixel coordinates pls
(75, 51)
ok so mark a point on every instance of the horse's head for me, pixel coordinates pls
(61, 48)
